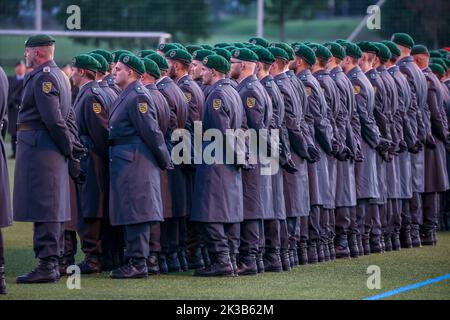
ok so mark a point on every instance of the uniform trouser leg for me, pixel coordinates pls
(375, 224)
(272, 236)
(395, 215)
(2, 252)
(90, 232)
(155, 236)
(385, 213)
(324, 224)
(360, 213)
(262, 237)
(430, 210)
(194, 236)
(415, 215)
(14, 144)
(284, 235)
(221, 240)
(292, 228)
(342, 222)
(332, 223)
(182, 233)
(170, 235)
(47, 239)
(304, 229)
(250, 237)
(70, 243)
(137, 237)
(314, 223)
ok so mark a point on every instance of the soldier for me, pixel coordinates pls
(5, 201)
(366, 171)
(402, 118)
(41, 188)
(14, 99)
(163, 48)
(412, 218)
(137, 152)
(196, 68)
(436, 182)
(218, 186)
(318, 176)
(345, 170)
(102, 76)
(110, 77)
(177, 197)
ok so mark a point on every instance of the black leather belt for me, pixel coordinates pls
(27, 126)
(124, 140)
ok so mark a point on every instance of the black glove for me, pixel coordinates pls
(289, 166)
(418, 146)
(402, 146)
(430, 143)
(78, 151)
(359, 157)
(383, 146)
(334, 147)
(75, 171)
(314, 154)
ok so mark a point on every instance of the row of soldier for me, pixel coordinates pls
(363, 141)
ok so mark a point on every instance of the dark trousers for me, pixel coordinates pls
(314, 223)
(272, 236)
(2, 252)
(14, 144)
(431, 204)
(372, 221)
(155, 237)
(170, 234)
(250, 237)
(284, 235)
(70, 243)
(90, 233)
(194, 238)
(304, 229)
(292, 231)
(326, 222)
(394, 214)
(48, 239)
(112, 238)
(222, 239)
(415, 214)
(343, 221)
(137, 237)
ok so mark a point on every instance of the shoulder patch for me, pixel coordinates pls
(46, 87)
(251, 102)
(188, 96)
(308, 91)
(217, 103)
(97, 107)
(143, 107)
(356, 89)
(46, 69)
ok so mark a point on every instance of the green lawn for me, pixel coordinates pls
(333, 280)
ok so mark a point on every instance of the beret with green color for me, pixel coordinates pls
(132, 62)
(146, 52)
(306, 53)
(151, 67)
(230, 48)
(179, 45)
(439, 61)
(289, 50)
(223, 52)
(217, 63)
(264, 55)
(352, 50)
(238, 45)
(395, 51)
(447, 62)
(222, 45)
(320, 51)
(105, 54)
(444, 53)
(383, 52)
(179, 55)
(435, 54)
(437, 68)
(367, 46)
(116, 54)
(335, 49)
(191, 48)
(103, 63)
(403, 39)
(85, 61)
(278, 53)
(160, 61)
(40, 40)
(245, 54)
(164, 47)
(207, 47)
(201, 54)
(419, 49)
(259, 41)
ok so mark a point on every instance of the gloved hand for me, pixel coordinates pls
(418, 146)
(430, 143)
(75, 171)
(289, 166)
(383, 146)
(314, 154)
(402, 146)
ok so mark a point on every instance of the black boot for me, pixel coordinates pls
(45, 272)
(331, 249)
(134, 269)
(247, 265)
(163, 264)
(285, 262)
(291, 258)
(387, 242)
(153, 263)
(296, 258)
(182, 260)
(342, 250)
(173, 263)
(415, 236)
(272, 262)
(221, 267)
(2, 280)
(302, 253)
(360, 245)
(91, 264)
(427, 238)
(353, 245)
(405, 239)
(375, 244)
(320, 252)
(233, 258)
(195, 261)
(260, 262)
(396, 245)
(312, 253)
(366, 244)
(63, 263)
(326, 251)
(206, 258)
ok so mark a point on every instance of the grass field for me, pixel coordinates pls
(343, 279)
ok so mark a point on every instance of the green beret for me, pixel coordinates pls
(132, 62)
(245, 54)
(207, 47)
(403, 39)
(289, 50)
(352, 50)
(192, 48)
(151, 67)
(201, 54)
(85, 61)
(439, 61)
(238, 45)
(217, 63)
(278, 53)
(164, 47)
(230, 48)
(179, 45)
(160, 61)
(259, 41)
(222, 45)
(437, 68)
(335, 49)
(444, 52)
(367, 46)
(116, 54)
(447, 62)
(40, 40)
(223, 52)
(179, 55)
(105, 54)
(103, 63)
(264, 55)
(339, 41)
(144, 53)
(395, 51)
(435, 54)
(320, 51)
(383, 52)
(419, 49)
(306, 53)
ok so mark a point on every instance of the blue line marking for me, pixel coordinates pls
(408, 287)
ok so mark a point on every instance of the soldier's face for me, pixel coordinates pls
(76, 76)
(122, 74)
(235, 71)
(30, 55)
(172, 68)
(196, 70)
(206, 75)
